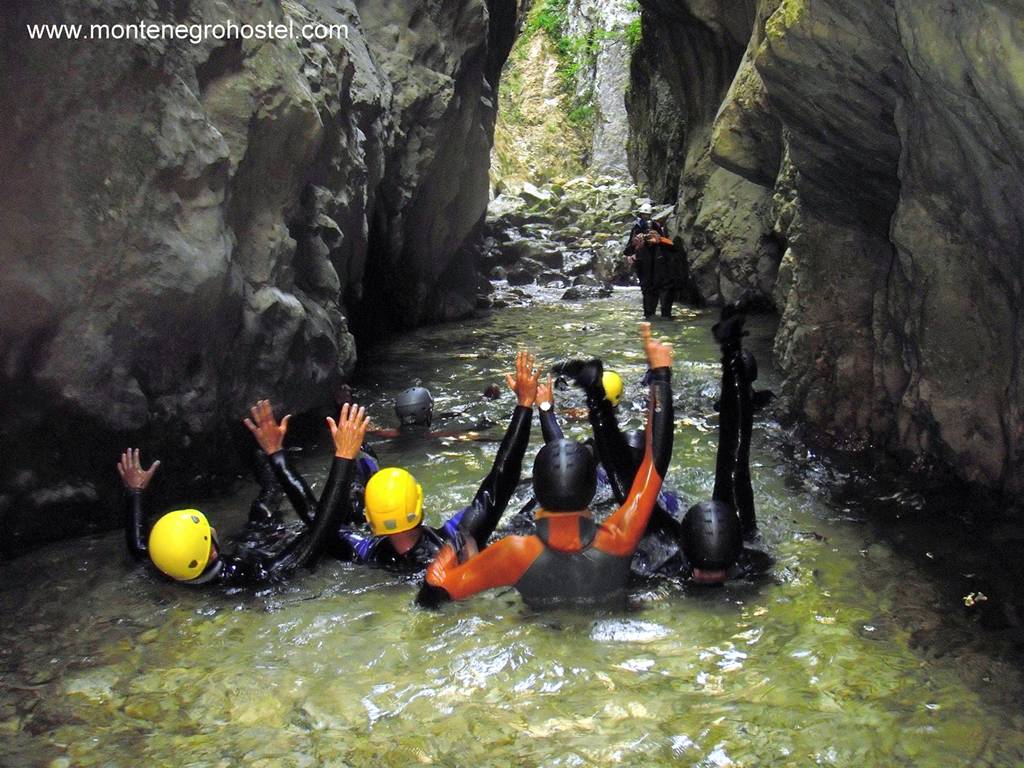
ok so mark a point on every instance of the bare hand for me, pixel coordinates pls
(638, 242)
(132, 474)
(524, 383)
(268, 433)
(546, 393)
(659, 353)
(348, 432)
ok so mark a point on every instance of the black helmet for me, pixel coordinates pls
(636, 439)
(414, 406)
(750, 365)
(564, 476)
(712, 536)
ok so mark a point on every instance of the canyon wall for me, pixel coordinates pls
(860, 166)
(187, 227)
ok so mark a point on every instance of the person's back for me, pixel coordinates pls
(571, 560)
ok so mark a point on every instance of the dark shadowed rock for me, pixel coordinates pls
(520, 276)
(190, 227)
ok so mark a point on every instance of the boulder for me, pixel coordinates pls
(520, 276)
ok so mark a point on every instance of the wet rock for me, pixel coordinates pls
(584, 292)
(223, 192)
(551, 278)
(498, 273)
(520, 276)
(525, 249)
(586, 280)
(863, 197)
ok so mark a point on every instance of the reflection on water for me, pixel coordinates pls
(820, 663)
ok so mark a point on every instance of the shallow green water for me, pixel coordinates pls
(821, 663)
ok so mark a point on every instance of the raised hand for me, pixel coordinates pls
(524, 382)
(349, 430)
(659, 353)
(546, 392)
(132, 474)
(268, 433)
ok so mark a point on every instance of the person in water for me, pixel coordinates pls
(649, 250)
(571, 560)
(710, 535)
(184, 546)
(397, 538)
(414, 408)
(658, 553)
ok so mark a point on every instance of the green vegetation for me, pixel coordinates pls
(634, 34)
(577, 55)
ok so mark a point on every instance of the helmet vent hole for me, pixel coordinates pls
(193, 564)
(195, 519)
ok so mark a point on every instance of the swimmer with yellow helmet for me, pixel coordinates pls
(183, 545)
(397, 539)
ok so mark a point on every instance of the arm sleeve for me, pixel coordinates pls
(742, 487)
(612, 448)
(630, 250)
(481, 517)
(549, 426)
(134, 524)
(728, 429)
(299, 494)
(309, 545)
(500, 565)
(620, 534)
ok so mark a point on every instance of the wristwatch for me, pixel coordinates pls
(545, 406)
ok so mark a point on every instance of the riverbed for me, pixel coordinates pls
(838, 656)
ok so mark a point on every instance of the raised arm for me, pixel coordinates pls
(135, 480)
(621, 533)
(348, 433)
(481, 517)
(270, 436)
(549, 426)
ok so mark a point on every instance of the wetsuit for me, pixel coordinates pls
(736, 422)
(477, 520)
(658, 553)
(653, 267)
(571, 560)
(255, 566)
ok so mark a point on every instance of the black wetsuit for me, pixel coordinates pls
(653, 268)
(255, 566)
(736, 422)
(477, 520)
(658, 553)
(571, 560)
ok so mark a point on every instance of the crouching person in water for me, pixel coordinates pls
(571, 560)
(398, 540)
(184, 546)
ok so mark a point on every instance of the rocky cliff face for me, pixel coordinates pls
(187, 227)
(878, 145)
(606, 76)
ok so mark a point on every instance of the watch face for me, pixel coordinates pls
(545, 406)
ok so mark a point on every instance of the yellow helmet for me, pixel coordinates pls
(612, 386)
(394, 502)
(179, 544)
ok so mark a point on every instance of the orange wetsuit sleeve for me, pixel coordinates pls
(620, 534)
(502, 564)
